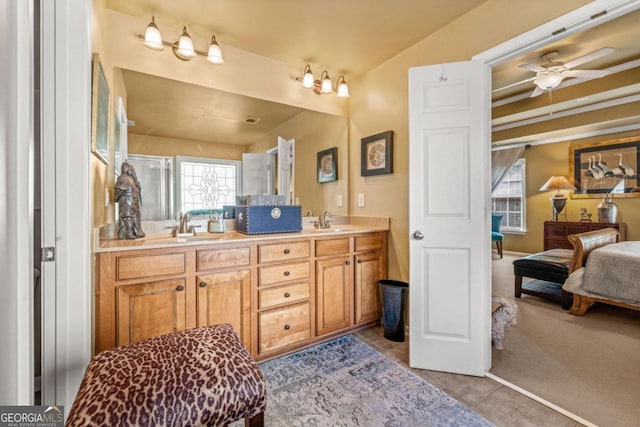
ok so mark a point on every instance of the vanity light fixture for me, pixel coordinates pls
(183, 48)
(323, 85)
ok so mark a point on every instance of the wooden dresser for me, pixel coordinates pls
(556, 232)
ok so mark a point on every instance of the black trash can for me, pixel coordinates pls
(394, 301)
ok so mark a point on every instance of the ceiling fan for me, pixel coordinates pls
(550, 74)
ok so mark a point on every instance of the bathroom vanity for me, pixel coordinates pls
(280, 292)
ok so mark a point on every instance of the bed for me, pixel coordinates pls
(604, 270)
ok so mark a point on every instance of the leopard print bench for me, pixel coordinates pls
(198, 377)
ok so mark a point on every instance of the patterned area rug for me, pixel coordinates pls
(347, 383)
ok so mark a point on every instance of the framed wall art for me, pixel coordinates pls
(99, 111)
(377, 154)
(606, 167)
(328, 165)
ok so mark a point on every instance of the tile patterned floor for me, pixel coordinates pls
(494, 401)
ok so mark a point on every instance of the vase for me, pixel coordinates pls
(607, 210)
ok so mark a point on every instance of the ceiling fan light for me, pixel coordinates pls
(215, 53)
(548, 81)
(326, 87)
(185, 46)
(152, 37)
(307, 79)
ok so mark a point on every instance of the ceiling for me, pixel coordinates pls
(342, 37)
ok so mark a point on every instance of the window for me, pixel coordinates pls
(509, 199)
(206, 183)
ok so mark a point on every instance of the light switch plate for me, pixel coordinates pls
(361, 200)
(339, 200)
(107, 198)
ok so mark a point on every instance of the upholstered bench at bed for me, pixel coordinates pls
(198, 377)
(550, 269)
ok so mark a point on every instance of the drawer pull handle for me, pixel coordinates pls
(348, 262)
(203, 284)
(287, 294)
(180, 288)
(287, 327)
(286, 251)
(286, 273)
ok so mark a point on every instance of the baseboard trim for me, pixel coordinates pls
(541, 400)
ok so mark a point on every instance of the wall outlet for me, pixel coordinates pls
(361, 200)
(339, 200)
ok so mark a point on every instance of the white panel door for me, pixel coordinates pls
(448, 218)
(285, 168)
(255, 169)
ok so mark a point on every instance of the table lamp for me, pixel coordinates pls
(559, 200)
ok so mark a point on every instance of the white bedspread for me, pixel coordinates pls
(614, 271)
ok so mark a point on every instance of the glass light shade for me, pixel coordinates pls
(185, 46)
(307, 79)
(215, 53)
(549, 81)
(152, 37)
(326, 84)
(343, 89)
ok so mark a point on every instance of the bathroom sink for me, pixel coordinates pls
(327, 230)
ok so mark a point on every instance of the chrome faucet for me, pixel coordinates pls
(184, 229)
(184, 223)
(323, 222)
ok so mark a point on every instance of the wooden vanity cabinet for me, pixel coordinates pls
(283, 294)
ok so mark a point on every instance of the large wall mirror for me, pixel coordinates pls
(170, 119)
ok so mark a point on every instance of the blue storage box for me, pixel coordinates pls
(268, 219)
(228, 212)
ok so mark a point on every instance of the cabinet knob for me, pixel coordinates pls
(286, 251)
(203, 284)
(287, 327)
(180, 288)
(348, 262)
(359, 261)
(287, 294)
(286, 273)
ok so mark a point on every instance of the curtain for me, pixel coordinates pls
(501, 162)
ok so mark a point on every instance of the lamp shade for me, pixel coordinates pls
(185, 46)
(152, 37)
(343, 89)
(307, 79)
(215, 53)
(326, 83)
(549, 81)
(557, 183)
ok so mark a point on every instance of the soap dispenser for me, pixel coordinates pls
(215, 224)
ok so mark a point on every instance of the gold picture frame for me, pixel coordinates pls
(99, 111)
(604, 167)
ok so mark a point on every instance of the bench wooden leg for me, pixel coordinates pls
(499, 247)
(566, 300)
(255, 421)
(518, 287)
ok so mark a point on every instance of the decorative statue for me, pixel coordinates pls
(128, 194)
(585, 216)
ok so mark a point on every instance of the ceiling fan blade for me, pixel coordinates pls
(532, 67)
(536, 92)
(589, 57)
(590, 74)
(513, 84)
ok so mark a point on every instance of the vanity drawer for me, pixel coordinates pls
(223, 257)
(283, 295)
(286, 272)
(283, 326)
(138, 266)
(332, 246)
(368, 242)
(283, 251)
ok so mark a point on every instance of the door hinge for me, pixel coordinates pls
(48, 254)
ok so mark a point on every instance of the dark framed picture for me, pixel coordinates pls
(377, 154)
(99, 111)
(328, 165)
(606, 167)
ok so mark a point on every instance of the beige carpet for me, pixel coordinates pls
(587, 365)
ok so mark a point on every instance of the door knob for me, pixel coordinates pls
(418, 235)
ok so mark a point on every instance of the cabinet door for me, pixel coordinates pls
(224, 298)
(150, 309)
(333, 294)
(368, 270)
